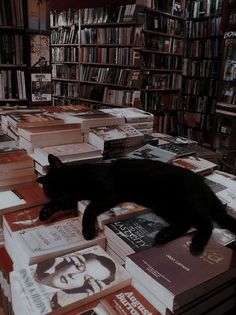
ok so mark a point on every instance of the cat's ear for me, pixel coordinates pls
(54, 162)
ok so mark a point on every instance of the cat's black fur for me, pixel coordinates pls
(178, 195)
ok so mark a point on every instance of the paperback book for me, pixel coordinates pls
(151, 152)
(178, 277)
(195, 164)
(47, 287)
(47, 241)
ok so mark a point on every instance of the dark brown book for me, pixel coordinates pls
(176, 276)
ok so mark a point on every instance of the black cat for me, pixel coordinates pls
(178, 195)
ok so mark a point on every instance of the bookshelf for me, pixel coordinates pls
(201, 68)
(23, 36)
(225, 142)
(65, 45)
(13, 61)
(164, 29)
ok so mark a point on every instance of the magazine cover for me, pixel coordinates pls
(41, 87)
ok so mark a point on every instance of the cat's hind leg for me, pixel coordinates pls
(204, 227)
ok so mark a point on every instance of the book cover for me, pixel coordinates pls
(40, 136)
(47, 241)
(122, 211)
(153, 153)
(41, 87)
(50, 286)
(136, 233)
(69, 151)
(131, 114)
(195, 164)
(126, 301)
(22, 197)
(6, 141)
(32, 119)
(39, 50)
(29, 218)
(176, 276)
(15, 160)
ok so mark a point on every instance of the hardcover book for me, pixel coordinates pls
(48, 287)
(178, 277)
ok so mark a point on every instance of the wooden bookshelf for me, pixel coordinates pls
(201, 68)
(225, 142)
(22, 23)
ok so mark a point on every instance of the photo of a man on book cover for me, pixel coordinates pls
(69, 279)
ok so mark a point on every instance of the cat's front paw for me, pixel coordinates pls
(89, 234)
(163, 236)
(45, 213)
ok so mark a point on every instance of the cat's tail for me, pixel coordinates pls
(222, 218)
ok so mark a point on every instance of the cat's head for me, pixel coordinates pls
(54, 182)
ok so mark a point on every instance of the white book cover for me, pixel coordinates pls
(44, 242)
(153, 153)
(10, 199)
(131, 114)
(63, 283)
(66, 151)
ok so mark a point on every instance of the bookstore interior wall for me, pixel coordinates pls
(165, 58)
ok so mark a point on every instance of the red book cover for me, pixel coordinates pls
(29, 218)
(19, 157)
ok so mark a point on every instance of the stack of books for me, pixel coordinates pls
(177, 282)
(44, 136)
(114, 141)
(21, 120)
(38, 241)
(64, 283)
(195, 164)
(138, 118)
(16, 167)
(224, 186)
(73, 153)
(132, 234)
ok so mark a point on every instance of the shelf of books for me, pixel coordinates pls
(226, 104)
(163, 33)
(201, 68)
(22, 70)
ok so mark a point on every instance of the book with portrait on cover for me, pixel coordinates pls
(66, 282)
(176, 276)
